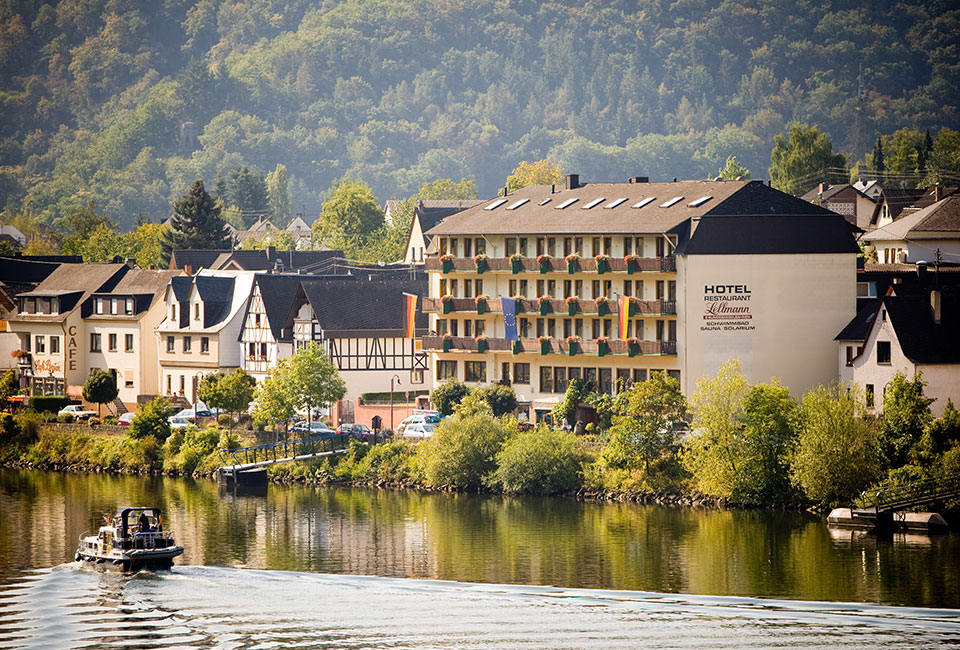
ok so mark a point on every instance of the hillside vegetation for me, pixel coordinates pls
(402, 92)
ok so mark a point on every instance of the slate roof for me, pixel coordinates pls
(19, 275)
(771, 235)
(196, 259)
(357, 305)
(266, 260)
(921, 340)
(859, 328)
(74, 282)
(217, 296)
(278, 292)
(936, 221)
(908, 200)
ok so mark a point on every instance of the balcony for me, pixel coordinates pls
(550, 307)
(465, 344)
(554, 264)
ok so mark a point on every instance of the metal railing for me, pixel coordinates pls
(905, 495)
(285, 450)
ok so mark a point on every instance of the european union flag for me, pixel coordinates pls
(509, 307)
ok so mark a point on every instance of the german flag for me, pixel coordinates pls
(410, 314)
(623, 311)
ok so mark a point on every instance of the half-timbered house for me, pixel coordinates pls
(264, 339)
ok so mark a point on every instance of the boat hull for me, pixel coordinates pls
(158, 560)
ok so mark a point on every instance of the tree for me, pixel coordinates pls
(539, 461)
(770, 419)
(577, 391)
(878, 165)
(9, 384)
(196, 223)
(77, 227)
(145, 244)
(734, 170)
(232, 393)
(836, 453)
(274, 401)
(151, 420)
(648, 428)
(502, 399)
(100, 388)
(906, 414)
(461, 451)
(803, 158)
(278, 194)
(447, 395)
(350, 212)
(313, 379)
(249, 193)
(446, 189)
(541, 172)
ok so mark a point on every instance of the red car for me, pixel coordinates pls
(361, 432)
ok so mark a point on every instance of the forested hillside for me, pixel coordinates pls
(399, 92)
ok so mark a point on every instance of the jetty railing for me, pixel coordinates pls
(285, 450)
(898, 496)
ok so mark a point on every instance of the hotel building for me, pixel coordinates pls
(707, 270)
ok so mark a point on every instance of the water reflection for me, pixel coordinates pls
(487, 539)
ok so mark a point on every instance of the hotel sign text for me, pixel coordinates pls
(726, 308)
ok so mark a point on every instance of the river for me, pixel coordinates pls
(341, 567)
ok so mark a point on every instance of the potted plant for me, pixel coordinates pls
(603, 263)
(517, 347)
(545, 344)
(447, 302)
(447, 261)
(482, 343)
(545, 262)
(447, 341)
(573, 345)
(633, 263)
(602, 307)
(633, 346)
(572, 304)
(481, 303)
(516, 262)
(543, 302)
(573, 262)
(480, 259)
(519, 300)
(603, 346)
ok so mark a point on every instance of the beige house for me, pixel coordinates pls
(707, 270)
(426, 215)
(920, 236)
(201, 329)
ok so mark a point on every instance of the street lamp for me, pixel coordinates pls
(395, 378)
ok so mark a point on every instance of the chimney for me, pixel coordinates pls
(573, 181)
(639, 179)
(271, 252)
(188, 269)
(937, 192)
(131, 262)
(935, 306)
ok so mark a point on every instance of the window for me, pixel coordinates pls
(478, 285)
(481, 246)
(541, 249)
(454, 287)
(54, 345)
(578, 327)
(628, 287)
(170, 344)
(606, 380)
(595, 246)
(546, 379)
(441, 327)
(672, 290)
(552, 246)
(40, 346)
(523, 246)
(443, 287)
(573, 373)
(477, 327)
(511, 246)
(99, 305)
(578, 288)
(641, 203)
(541, 287)
(112, 342)
(883, 351)
(567, 246)
(540, 327)
(623, 379)
(468, 328)
(187, 343)
(552, 288)
(475, 371)
(590, 376)
(595, 289)
(552, 328)
(454, 327)
(560, 379)
(513, 288)
(639, 375)
(608, 327)
(869, 396)
(183, 383)
(627, 246)
(113, 305)
(525, 328)
(128, 306)
(660, 287)
(95, 342)
(263, 350)
(256, 320)
(467, 247)
(521, 373)
(468, 288)
(251, 350)
(204, 345)
(674, 374)
(169, 384)
(523, 288)
(453, 245)
(446, 370)
(173, 312)
(595, 328)
(660, 328)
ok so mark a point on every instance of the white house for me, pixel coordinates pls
(922, 235)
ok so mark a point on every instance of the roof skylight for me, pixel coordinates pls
(696, 203)
(593, 203)
(614, 203)
(496, 204)
(517, 204)
(545, 201)
(566, 203)
(673, 201)
(646, 201)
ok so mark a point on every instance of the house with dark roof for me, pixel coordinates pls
(912, 329)
(704, 271)
(930, 234)
(896, 203)
(265, 339)
(267, 259)
(845, 199)
(426, 215)
(202, 324)
(17, 275)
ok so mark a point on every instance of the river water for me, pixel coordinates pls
(302, 566)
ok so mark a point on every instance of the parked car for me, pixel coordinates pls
(125, 419)
(419, 430)
(77, 411)
(313, 429)
(177, 422)
(199, 414)
(359, 431)
(426, 418)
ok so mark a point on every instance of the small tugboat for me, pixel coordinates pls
(130, 541)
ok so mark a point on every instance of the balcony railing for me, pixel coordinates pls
(552, 307)
(666, 264)
(553, 346)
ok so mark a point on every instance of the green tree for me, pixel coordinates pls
(502, 399)
(539, 461)
(541, 172)
(648, 427)
(313, 379)
(577, 391)
(445, 189)
(79, 225)
(228, 392)
(249, 193)
(770, 421)
(278, 194)
(877, 162)
(151, 420)
(803, 158)
(734, 170)
(351, 213)
(939, 436)
(145, 244)
(100, 388)
(944, 156)
(461, 451)
(906, 415)
(196, 223)
(447, 395)
(274, 401)
(9, 384)
(836, 453)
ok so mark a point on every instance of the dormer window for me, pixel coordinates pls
(196, 311)
(128, 307)
(99, 305)
(173, 312)
(113, 305)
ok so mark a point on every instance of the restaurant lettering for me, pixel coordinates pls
(47, 365)
(726, 308)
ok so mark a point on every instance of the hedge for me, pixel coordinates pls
(48, 403)
(399, 396)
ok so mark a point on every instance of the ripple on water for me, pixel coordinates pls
(203, 607)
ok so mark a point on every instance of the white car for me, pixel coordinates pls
(418, 419)
(419, 430)
(77, 411)
(125, 419)
(177, 422)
